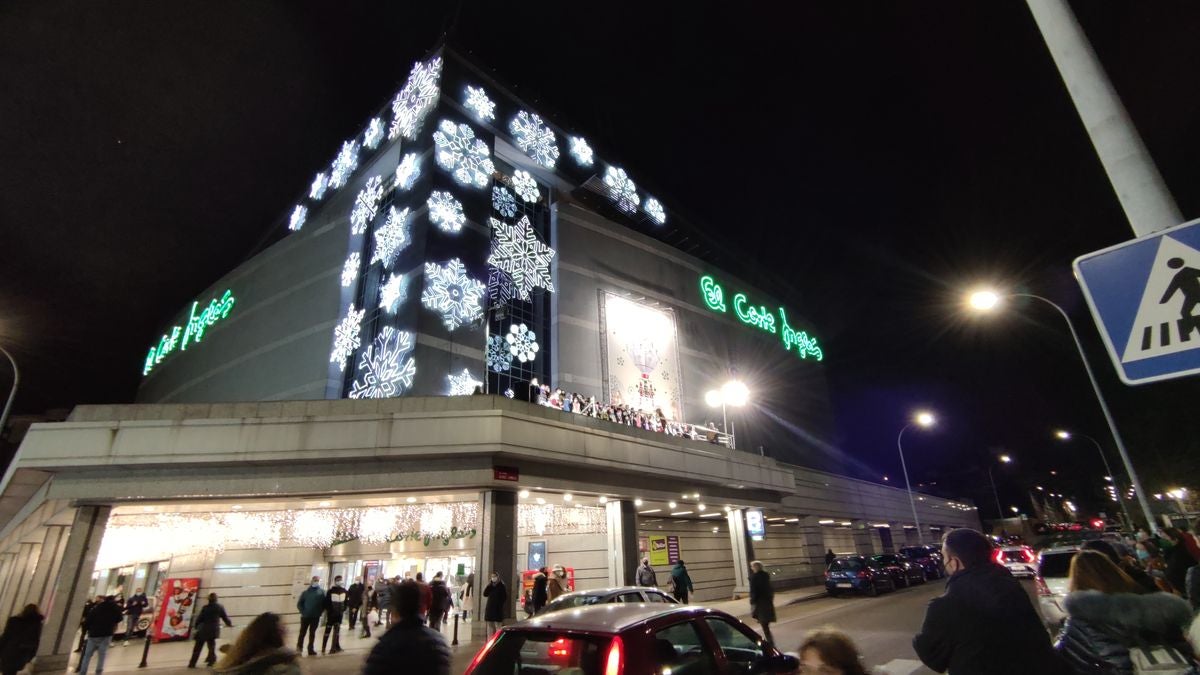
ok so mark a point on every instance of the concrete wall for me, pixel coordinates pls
(707, 555)
(587, 553)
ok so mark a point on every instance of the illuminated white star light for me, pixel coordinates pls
(517, 251)
(393, 292)
(654, 209)
(621, 189)
(319, 184)
(464, 384)
(581, 151)
(297, 220)
(366, 205)
(499, 359)
(532, 136)
(502, 201)
(374, 134)
(445, 211)
(467, 158)
(343, 165)
(345, 336)
(522, 343)
(385, 367)
(350, 269)
(525, 186)
(416, 99)
(453, 294)
(479, 103)
(409, 171)
(392, 237)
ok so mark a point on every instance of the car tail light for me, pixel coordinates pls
(864, 574)
(482, 653)
(1042, 588)
(560, 648)
(826, 574)
(614, 662)
(998, 556)
(1029, 557)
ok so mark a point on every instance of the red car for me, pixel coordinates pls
(630, 639)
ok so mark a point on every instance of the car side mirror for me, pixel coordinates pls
(777, 663)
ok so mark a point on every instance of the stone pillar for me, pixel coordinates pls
(71, 588)
(498, 552)
(862, 537)
(18, 582)
(47, 565)
(812, 550)
(743, 551)
(622, 542)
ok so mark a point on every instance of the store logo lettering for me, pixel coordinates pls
(191, 332)
(758, 316)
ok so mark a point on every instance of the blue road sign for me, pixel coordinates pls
(1145, 298)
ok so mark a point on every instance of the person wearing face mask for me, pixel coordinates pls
(984, 623)
(1145, 584)
(557, 585)
(494, 609)
(311, 605)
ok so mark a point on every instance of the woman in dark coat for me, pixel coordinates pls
(762, 599)
(19, 642)
(493, 610)
(208, 629)
(1179, 559)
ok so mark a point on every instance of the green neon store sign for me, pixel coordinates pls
(761, 318)
(191, 332)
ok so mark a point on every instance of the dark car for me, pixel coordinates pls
(851, 574)
(904, 572)
(599, 596)
(630, 639)
(928, 557)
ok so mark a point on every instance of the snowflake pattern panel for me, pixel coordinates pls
(450, 292)
(535, 138)
(416, 99)
(468, 159)
(517, 251)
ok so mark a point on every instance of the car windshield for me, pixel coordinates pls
(540, 652)
(843, 564)
(885, 559)
(1056, 564)
(569, 601)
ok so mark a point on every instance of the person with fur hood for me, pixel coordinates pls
(1108, 614)
(260, 650)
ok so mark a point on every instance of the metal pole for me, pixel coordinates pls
(999, 509)
(12, 393)
(732, 436)
(725, 424)
(1112, 424)
(911, 502)
(1116, 483)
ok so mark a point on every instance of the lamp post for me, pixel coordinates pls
(1064, 435)
(923, 419)
(1004, 459)
(987, 300)
(732, 393)
(12, 393)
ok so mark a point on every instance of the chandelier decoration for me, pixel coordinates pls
(536, 520)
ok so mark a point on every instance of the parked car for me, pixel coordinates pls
(903, 571)
(631, 639)
(1053, 569)
(601, 596)
(928, 557)
(850, 574)
(1020, 560)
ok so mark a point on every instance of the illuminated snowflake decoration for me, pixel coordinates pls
(391, 238)
(385, 367)
(416, 99)
(297, 220)
(343, 165)
(479, 103)
(366, 206)
(654, 209)
(464, 384)
(319, 185)
(350, 269)
(502, 201)
(522, 343)
(500, 286)
(409, 171)
(498, 357)
(449, 291)
(532, 136)
(345, 336)
(621, 189)
(445, 211)
(467, 158)
(581, 151)
(517, 251)
(392, 293)
(374, 134)
(525, 186)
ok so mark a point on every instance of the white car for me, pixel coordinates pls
(1020, 560)
(1053, 570)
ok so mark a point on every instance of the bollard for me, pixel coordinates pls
(146, 648)
(455, 641)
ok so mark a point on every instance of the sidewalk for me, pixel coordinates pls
(741, 608)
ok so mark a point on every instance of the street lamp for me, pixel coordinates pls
(1064, 435)
(12, 395)
(731, 394)
(986, 300)
(1005, 459)
(923, 419)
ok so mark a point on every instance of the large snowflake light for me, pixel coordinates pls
(522, 343)
(366, 206)
(517, 251)
(525, 186)
(393, 292)
(445, 211)
(581, 151)
(343, 165)
(654, 209)
(449, 290)
(622, 190)
(500, 286)
(297, 220)
(345, 336)
(416, 99)
(319, 185)
(409, 171)
(392, 237)
(532, 136)
(502, 201)
(350, 269)
(464, 384)
(479, 103)
(499, 359)
(467, 158)
(374, 134)
(385, 367)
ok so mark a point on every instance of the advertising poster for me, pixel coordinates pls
(659, 554)
(672, 549)
(754, 524)
(536, 556)
(174, 621)
(641, 360)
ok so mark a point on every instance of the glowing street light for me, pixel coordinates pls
(923, 419)
(1014, 509)
(1005, 459)
(731, 394)
(1064, 435)
(983, 300)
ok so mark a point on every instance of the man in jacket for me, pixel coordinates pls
(439, 602)
(537, 598)
(984, 623)
(335, 607)
(100, 624)
(762, 599)
(496, 594)
(645, 574)
(208, 629)
(383, 600)
(134, 606)
(681, 582)
(311, 604)
(354, 601)
(408, 645)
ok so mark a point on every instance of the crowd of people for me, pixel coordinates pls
(622, 413)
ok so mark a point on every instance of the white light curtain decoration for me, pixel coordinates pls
(536, 520)
(148, 537)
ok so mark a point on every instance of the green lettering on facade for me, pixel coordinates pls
(758, 316)
(191, 332)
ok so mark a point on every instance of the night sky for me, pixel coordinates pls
(881, 157)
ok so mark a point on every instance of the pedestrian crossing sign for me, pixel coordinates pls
(1145, 298)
